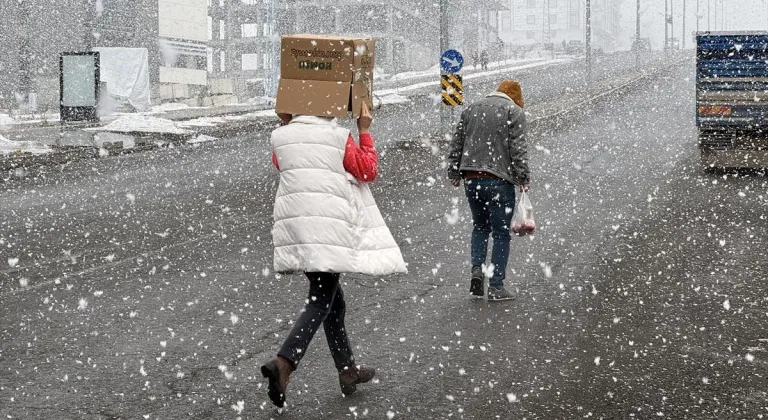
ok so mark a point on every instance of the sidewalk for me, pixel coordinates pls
(167, 123)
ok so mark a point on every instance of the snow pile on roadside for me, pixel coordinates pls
(389, 99)
(170, 106)
(202, 138)
(8, 147)
(202, 122)
(262, 100)
(6, 119)
(416, 74)
(142, 124)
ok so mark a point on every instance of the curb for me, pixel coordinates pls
(148, 141)
(578, 106)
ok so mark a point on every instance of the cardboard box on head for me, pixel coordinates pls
(325, 76)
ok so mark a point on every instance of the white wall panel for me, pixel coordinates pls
(183, 19)
(183, 76)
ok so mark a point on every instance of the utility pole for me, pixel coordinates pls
(637, 25)
(273, 44)
(25, 51)
(589, 41)
(684, 36)
(546, 25)
(698, 15)
(671, 24)
(444, 115)
(88, 25)
(709, 15)
(637, 35)
(666, 25)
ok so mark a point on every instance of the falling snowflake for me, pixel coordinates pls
(488, 270)
(547, 269)
(239, 406)
(511, 397)
(453, 217)
(12, 262)
(82, 304)
(727, 305)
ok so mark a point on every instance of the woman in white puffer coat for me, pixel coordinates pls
(326, 223)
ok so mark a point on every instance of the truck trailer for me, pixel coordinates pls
(732, 99)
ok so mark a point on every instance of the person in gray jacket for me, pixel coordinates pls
(489, 152)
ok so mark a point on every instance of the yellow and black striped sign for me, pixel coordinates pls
(453, 90)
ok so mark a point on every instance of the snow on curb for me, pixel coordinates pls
(6, 119)
(390, 99)
(505, 70)
(8, 147)
(202, 138)
(142, 124)
(171, 106)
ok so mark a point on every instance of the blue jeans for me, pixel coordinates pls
(492, 202)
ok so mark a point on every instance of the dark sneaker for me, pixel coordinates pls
(476, 284)
(499, 294)
(353, 375)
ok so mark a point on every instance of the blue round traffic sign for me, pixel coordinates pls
(451, 61)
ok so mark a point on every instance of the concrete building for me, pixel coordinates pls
(35, 32)
(244, 44)
(555, 21)
(479, 22)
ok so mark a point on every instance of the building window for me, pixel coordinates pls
(552, 3)
(250, 61)
(553, 19)
(531, 19)
(531, 3)
(249, 30)
(575, 21)
(530, 35)
(506, 21)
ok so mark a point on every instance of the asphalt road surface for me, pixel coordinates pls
(141, 286)
(548, 83)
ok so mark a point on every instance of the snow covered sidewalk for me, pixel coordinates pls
(474, 75)
(10, 147)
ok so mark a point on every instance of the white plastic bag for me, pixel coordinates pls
(522, 221)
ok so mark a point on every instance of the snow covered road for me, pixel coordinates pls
(140, 286)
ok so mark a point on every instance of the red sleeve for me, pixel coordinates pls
(361, 161)
(274, 161)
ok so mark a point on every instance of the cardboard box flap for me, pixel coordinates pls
(364, 52)
(313, 97)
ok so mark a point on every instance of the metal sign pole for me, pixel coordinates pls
(589, 42)
(274, 49)
(444, 118)
(637, 35)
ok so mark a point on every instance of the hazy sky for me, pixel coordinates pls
(738, 15)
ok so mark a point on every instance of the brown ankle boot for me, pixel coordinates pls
(277, 371)
(352, 375)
